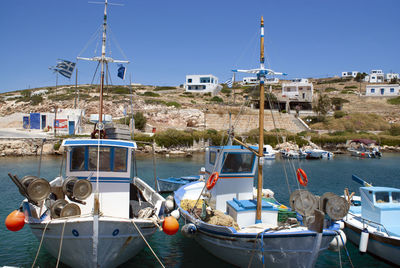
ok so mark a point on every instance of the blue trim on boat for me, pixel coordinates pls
(83, 142)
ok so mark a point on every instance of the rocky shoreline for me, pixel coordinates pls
(33, 147)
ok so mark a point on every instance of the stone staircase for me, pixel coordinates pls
(249, 121)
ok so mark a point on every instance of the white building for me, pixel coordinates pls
(207, 83)
(390, 76)
(298, 89)
(272, 80)
(349, 74)
(390, 90)
(376, 76)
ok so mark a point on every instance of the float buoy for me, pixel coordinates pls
(302, 177)
(212, 180)
(170, 225)
(338, 241)
(175, 214)
(189, 230)
(363, 241)
(15, 221)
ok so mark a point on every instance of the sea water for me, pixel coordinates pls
(19, 248)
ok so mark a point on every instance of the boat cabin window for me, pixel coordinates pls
(110, 159)
(382, 197)
(238, 163)
(396, 197)
(213, 155)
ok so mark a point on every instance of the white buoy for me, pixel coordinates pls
(338, 241)
(341, 225)
(175, 214)
(169, 204)
(364, 241)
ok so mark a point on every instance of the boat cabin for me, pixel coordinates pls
(114, 174)
(381, 205)
(236, 167)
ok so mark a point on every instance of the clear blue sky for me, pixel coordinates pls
(165, 40)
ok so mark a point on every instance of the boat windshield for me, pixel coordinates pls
(396, 197)
(382, 197)
(238, 163)
(110, 159)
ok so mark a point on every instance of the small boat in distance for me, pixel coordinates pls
(318, 154)
(373, 221)
(364, 148)
(269, 152)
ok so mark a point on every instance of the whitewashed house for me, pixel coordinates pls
(382, 90)
(206, 83)
(349, 74)
(298, 89)
(250, 80)
(272, 80)
(376, 76)
(390, 76)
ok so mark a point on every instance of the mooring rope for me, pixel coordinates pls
(61, 242)
(347, 252)
(40, 244)
(144, 239)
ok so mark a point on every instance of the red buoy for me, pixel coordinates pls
(15, 221)
(170, 225)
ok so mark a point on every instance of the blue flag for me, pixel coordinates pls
(121, 72)
(229, 83)
(65, 68)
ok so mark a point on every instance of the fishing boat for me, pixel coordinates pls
(364, 148)
(318, 154)
(373, 221)
(293, 154)
(99, 213)
(269, 152)
(222, 215)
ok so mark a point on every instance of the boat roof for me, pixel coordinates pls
(381, 189)
(365, 141)
(233, 147)
(96, 142)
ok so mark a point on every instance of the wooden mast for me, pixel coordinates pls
(102, 61)
(261, 126)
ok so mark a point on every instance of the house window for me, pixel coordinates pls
(204, 79)
(190, 80)
(373, 77)
(204, 87)
(372, 90)
(391, 90)
(189, 87)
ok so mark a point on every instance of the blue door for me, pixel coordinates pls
(35, 120)
(71, 127)
(25, 122)
(382, 91)
(43, 121)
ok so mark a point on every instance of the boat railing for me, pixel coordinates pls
(367, 222)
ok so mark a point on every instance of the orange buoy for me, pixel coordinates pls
(302, 177)
(15, 221)
(170, 225)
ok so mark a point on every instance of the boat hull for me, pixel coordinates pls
(118, 240)
(382, 247)
(278, 248)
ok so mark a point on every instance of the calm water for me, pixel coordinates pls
(19, 248)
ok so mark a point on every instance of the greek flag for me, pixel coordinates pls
(65, 68)
(121, 72)
(229, 83)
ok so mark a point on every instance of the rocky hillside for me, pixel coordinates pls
(166, 107)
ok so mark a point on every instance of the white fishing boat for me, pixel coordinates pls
(293, 154)
(364, 148)
(99, 213)
(373, 222)
(269, 152)
(318, 154)
(222, 215)
(172, 184)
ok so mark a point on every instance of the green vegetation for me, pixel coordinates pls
(140, 120)
(150, 94)
(394, 130)
(360, 77)
(339, 114)
(394, 101)
(216, 99)
(346, 91)
(353, 122)
(155, 102)
(61, 97)
(322, 105)
(164, 88)
(36, 99)
(350, 87)
(226, 90)
(174, 103)
(120, 90)
(330, 89)
(338, 102)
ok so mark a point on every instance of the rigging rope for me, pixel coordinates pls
(40, 244)
(61, 242)
(148, 245)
